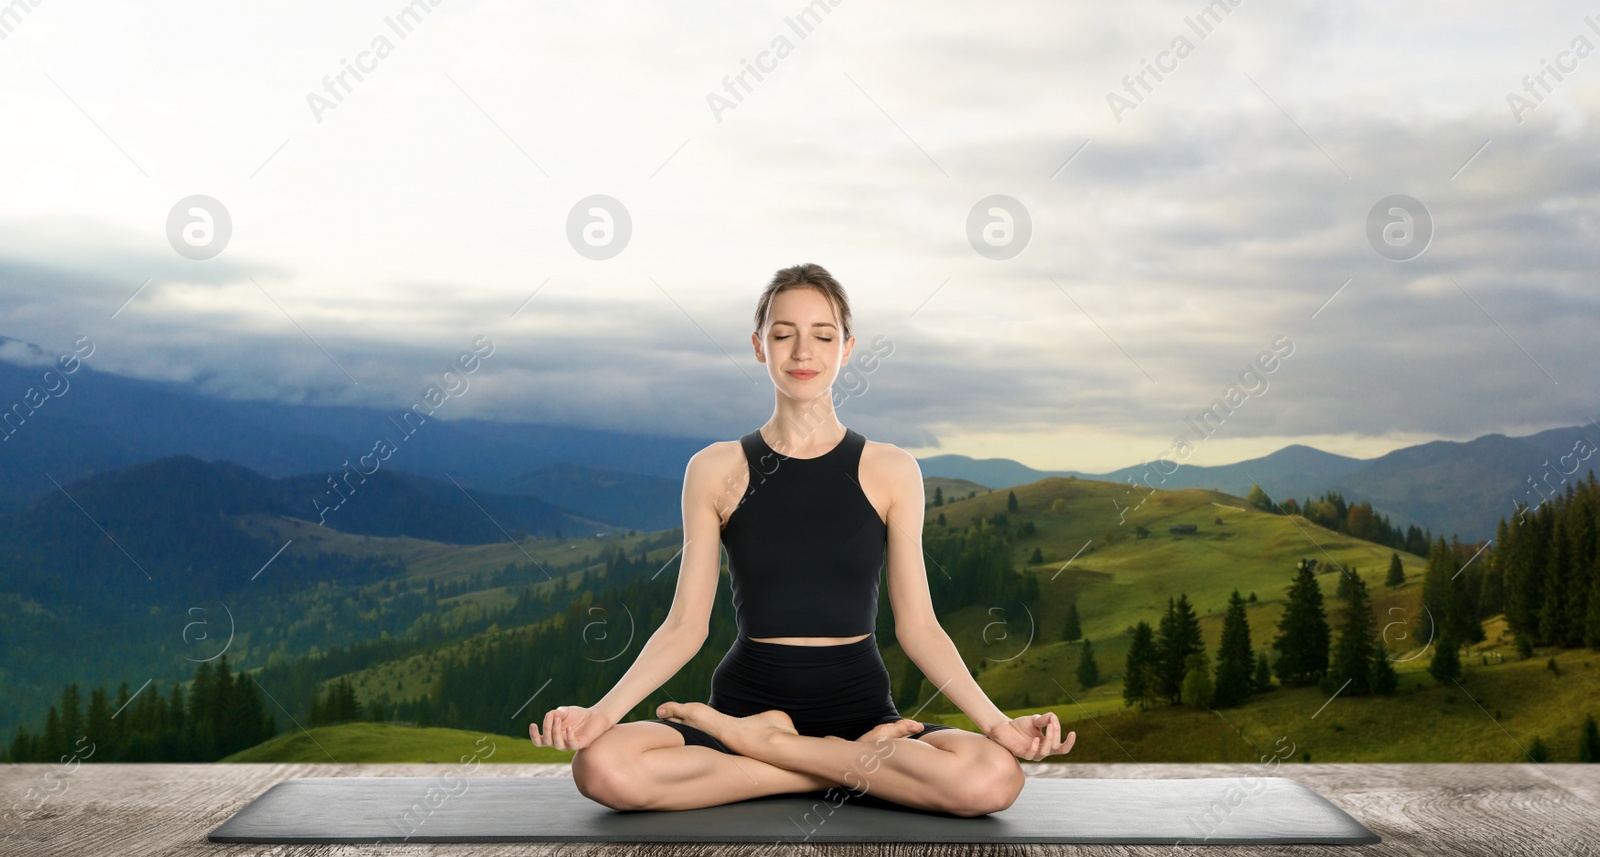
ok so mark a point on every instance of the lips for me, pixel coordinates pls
(803, 374)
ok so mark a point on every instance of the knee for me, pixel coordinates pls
(600, 778)
(991, 785)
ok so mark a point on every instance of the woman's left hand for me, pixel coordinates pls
(1033, 736)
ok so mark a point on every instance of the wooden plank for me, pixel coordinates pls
(1443, 809)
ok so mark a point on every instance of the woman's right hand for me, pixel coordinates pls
(569, 727)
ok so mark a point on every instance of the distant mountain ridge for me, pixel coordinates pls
(106, 422)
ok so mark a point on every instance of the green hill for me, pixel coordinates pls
(1094, 556)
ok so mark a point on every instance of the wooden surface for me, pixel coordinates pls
(126, 809)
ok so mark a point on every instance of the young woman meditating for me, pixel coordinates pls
(801, 702)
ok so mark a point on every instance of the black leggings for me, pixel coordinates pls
(838, 690)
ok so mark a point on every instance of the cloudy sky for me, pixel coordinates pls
(395, 187)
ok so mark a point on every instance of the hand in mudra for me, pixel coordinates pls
(569, 727)
(1033, 736)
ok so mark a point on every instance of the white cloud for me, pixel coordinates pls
(432, 201)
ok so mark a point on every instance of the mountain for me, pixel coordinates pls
(173, 526)
(99, 422)
(104, 422)
(1448, 487)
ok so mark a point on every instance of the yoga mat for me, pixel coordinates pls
(1213, 810)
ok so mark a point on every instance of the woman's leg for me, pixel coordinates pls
(951, 770)
(647, 765)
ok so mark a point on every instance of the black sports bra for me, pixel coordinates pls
(805, 545)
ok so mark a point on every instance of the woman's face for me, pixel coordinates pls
(803, 337)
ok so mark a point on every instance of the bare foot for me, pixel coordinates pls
(740, 734)
(883, 732)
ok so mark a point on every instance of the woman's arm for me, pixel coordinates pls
(1033, 736)
(915, 625)
(684, 631)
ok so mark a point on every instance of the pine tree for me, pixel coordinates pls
(1352, 656)
(1088, 671)
(1037, 558)
(1382, 676)
(1446, 663)
(1263, 673)
(1138, 680)
(1072, 630)
(1235, 656)
(1258, 498)
(53, 743)
(349, 706)
(1465, 588)
(938, 497)
(1177, 639)
(1537, 752)
(1436, 601)
(1303, 634)
(1589, 741)
(1575, 600)
(1011, 501)
(1397, 570)
(99, 721)
(1346, 578)
(1197, 689)
(71, 716)
(1558, 579)
(1591, 633)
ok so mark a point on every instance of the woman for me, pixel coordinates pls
(801, 701)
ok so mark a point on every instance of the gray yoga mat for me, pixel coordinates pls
(1208, 811)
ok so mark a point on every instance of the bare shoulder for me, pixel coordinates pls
(717, 476)
(892, 474)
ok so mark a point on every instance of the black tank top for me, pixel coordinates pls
(804, 544)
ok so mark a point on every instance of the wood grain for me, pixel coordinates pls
(1443, 809)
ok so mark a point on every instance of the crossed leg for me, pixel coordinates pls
(644, 765)
(951, 770)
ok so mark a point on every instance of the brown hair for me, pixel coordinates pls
(805, 276)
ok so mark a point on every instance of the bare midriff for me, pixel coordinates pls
(811, 641)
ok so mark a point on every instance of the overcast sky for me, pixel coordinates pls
(379, 225)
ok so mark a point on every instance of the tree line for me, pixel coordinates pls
(219, 713)
(1170, 662)
(1359, 520)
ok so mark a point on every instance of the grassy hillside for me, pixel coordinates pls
(1495, 709)
(1519, 700)
(1092, 556)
